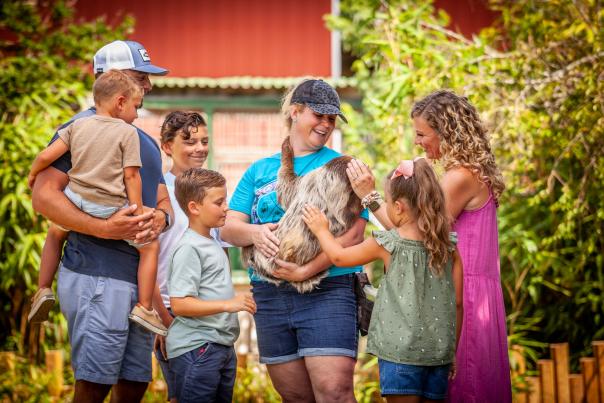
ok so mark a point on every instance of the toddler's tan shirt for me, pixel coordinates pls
(101, 147)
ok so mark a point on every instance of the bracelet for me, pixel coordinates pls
(371, 197)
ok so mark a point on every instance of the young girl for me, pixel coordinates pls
(418, 313)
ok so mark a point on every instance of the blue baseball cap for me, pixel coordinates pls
(125, 55)
(318, 96)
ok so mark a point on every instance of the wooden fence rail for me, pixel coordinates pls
(555, 383)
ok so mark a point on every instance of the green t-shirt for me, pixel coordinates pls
(200, 268)
(413, 321)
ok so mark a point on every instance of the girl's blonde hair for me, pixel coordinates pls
(426, 200)
(286, 104)
(463, 137)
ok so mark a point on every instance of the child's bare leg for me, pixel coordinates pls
(51, 255)
(143, 313)
(147, 273)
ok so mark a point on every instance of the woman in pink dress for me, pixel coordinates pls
(449, 129)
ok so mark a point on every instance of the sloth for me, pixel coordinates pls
(326, 188)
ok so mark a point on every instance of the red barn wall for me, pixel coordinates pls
(467, 17)
(209, 38)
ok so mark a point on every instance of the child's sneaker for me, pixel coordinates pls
(41, 303)
(149, 319)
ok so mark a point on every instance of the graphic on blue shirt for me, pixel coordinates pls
(265, 207)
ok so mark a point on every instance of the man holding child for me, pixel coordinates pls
(97, 282)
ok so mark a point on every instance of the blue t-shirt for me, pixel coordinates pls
(93, 256)
(256, 193)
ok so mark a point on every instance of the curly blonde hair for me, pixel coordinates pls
(463, 137)
(426, 200)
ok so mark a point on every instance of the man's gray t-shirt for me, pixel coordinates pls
(199, 268)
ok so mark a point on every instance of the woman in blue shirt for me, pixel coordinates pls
(308, 341)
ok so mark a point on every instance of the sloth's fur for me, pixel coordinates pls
(326, 188)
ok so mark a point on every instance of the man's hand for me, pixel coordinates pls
(124, 225)
(315, 219)
(290, 271)
(242, 302)
(265, 241)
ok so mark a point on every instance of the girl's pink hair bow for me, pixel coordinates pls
(404, 169)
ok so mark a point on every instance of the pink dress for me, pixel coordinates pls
(483, 368)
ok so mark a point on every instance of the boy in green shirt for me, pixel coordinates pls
(201, 338)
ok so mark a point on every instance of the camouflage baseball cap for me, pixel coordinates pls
(318, 96)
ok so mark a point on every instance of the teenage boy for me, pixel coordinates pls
(201, 338)
(98, 273)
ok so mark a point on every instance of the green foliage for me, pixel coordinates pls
(44, 76)
(538, 81)
(23, 382)
(366, 379)
(253, 385)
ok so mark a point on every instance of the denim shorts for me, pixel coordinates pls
(291, 325)
(403, 379)
(205, 374)
(105, 346)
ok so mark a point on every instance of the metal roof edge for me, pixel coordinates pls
(243, 82)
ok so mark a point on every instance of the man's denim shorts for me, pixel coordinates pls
(291, 325)
(403, 379)
(205, 374)
(105, 346)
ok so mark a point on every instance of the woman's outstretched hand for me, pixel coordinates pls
(265, 240)
(361, 178)
(315, 219)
